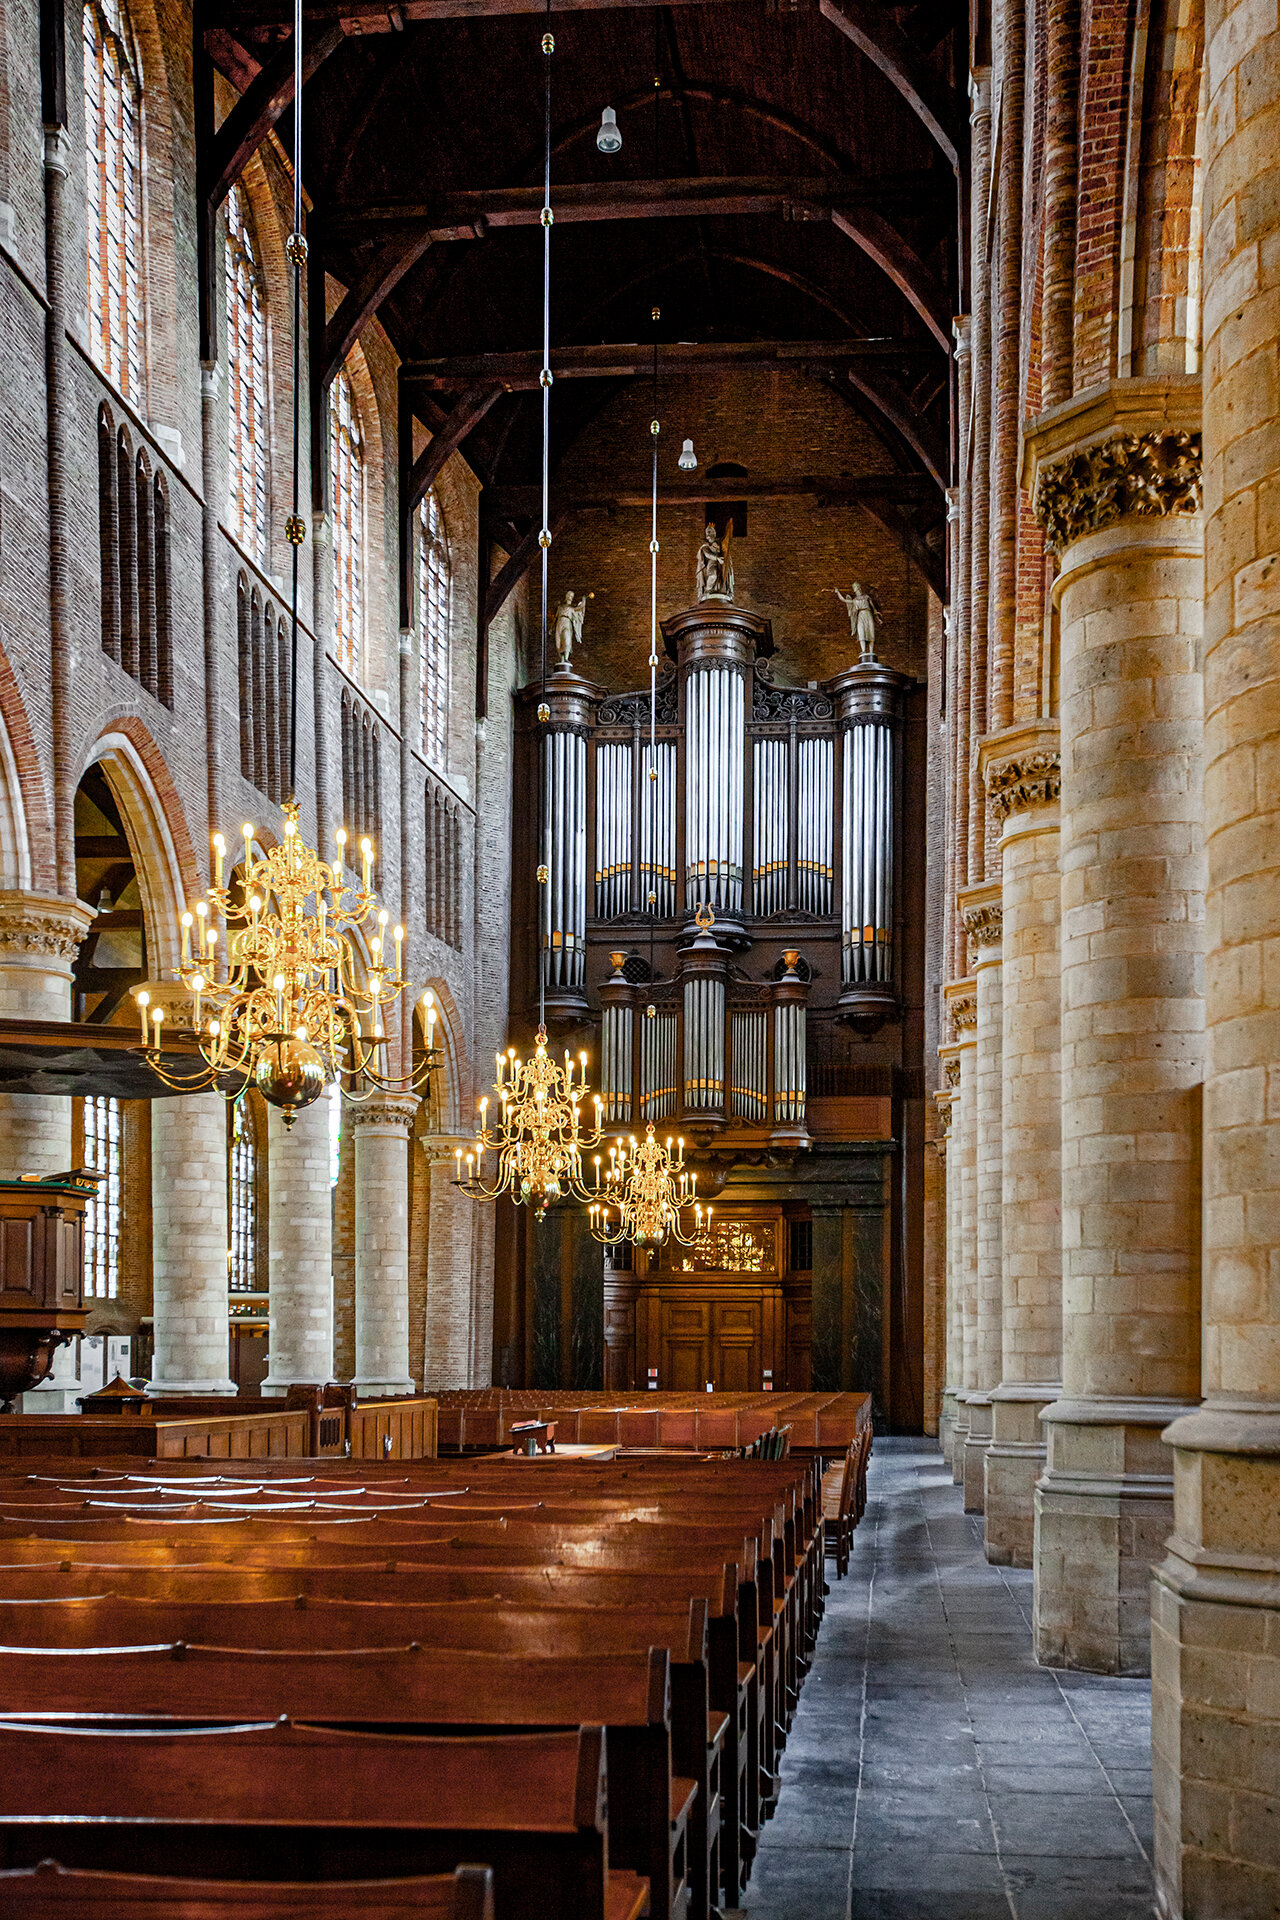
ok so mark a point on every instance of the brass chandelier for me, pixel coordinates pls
(283, 997)
(539, 1138)
(649, 1188)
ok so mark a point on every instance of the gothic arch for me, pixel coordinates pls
(26, 832)
(156, 828)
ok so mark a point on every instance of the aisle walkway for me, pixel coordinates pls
(934, 1771)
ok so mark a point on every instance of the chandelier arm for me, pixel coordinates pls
(298, 257)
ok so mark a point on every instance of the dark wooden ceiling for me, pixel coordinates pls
(785, 184)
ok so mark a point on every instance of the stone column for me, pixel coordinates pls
(948, 1105)
(1215, 1640)
(980, 909)
(1117, 475)
(189, 1244)
(300, 1249)
(382, 1244)
(39, 936)
(1021, 771)
(962, 1006)
(450, 1227)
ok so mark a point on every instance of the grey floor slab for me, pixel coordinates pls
(934, 1772)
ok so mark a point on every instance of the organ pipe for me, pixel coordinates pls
(564, 719)
(658, 831)
(790, 1042)
(617, 1043)
(658, 1064)
(868, 703)
(771, 827)
(613, 828)
(749, 1053)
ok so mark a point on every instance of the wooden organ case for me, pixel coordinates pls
(721, 911)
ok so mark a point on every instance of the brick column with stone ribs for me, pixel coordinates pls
(1021, 769)
(1116, 485)
(948, 1104)
(1215, 1629)
(962, 1010)
(980, 911)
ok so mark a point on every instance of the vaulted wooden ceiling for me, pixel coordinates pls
(791, 178)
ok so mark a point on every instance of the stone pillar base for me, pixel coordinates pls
(976, 1442)
(1215, 1669)
(226, 1389)
(1103, 1510)
(1015, 1461)
(382, 1389)
(947, 1422)
(959, 1434)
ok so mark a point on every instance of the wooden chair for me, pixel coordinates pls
(50, 1891)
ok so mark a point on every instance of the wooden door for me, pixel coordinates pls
(736, 1344)
(686, 1345)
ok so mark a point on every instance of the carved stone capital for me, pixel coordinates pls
(983, 923)
(35, 926)
(962, 1007)
(386, 1110)
(1154, 474)
(953, 1073)
(1032, 779)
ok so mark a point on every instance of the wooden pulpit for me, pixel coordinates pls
(41, 1274)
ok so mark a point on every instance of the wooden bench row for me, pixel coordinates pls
(822, 1423)
(585, 1584)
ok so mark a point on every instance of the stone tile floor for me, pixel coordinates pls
(934, 1772)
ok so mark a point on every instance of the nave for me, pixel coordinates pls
(934, 1771)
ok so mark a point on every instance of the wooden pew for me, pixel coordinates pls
(313, 1803)
(51, 1891)
(418, 1691)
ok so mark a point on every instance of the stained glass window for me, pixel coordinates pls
(433, 631)
(113, 152)
(346, 468)
(102, 1215)
(242, 1204)
(246, 379)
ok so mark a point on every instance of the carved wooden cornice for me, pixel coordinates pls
(1153, 474)
(1032, 779)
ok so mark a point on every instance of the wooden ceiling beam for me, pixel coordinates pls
(891, 487)
(519, 371)
(875, 33)
(895, 257)
(258, 109)
(470, 215)
(385, 16)
(358, 306)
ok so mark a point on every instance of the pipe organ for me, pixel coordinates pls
(740, 814)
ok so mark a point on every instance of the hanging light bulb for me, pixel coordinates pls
(609, 137)
(647, 1187)
(688, 458)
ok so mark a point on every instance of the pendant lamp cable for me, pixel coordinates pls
(655, 427)
(295, 529)
(544, 535)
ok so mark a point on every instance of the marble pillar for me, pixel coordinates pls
(962, 1010)
(1216, 1597)
(1021, 771)
(300, 1249)
(382, 1244)
(980, 911)
(1116, 486)
(189, 1244)
(451, 1223)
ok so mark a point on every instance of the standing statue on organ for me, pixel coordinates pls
(569, 616)
(715, 564)
(864, 610)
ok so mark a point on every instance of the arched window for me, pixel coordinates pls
(102, 1214)
(346, 467)
(433, 631)
(113, 152)
(246, 379)
(242, 1202)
